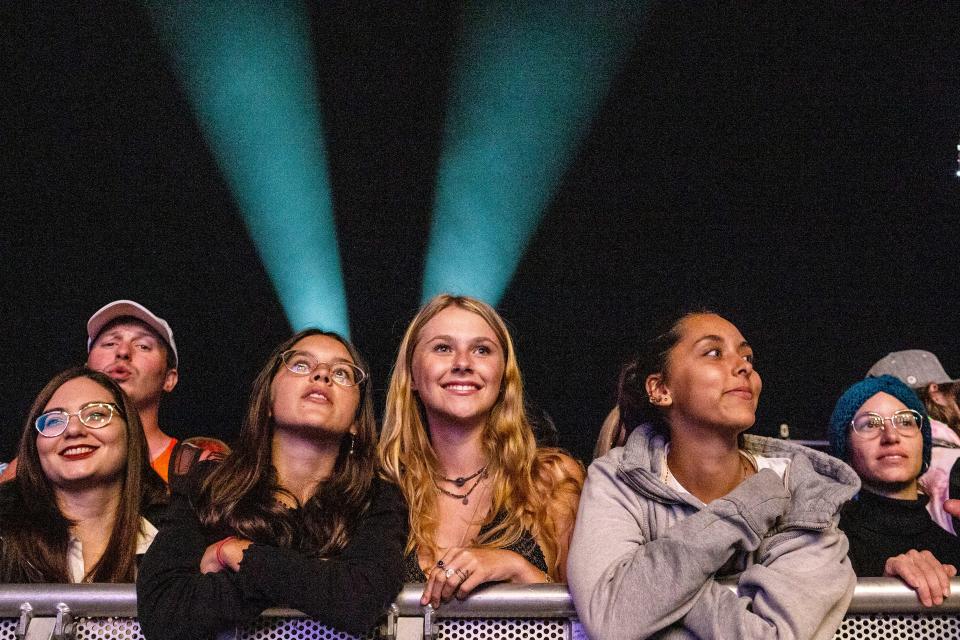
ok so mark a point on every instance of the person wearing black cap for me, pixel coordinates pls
(879, 427)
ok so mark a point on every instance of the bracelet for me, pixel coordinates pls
(220, 546)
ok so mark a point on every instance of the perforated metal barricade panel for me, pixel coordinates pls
(8, 628)
(262, 629)
(108, 629)
(504, 629)
(295, 629)
(883, 626)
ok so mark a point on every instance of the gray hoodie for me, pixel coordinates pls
(644, 559)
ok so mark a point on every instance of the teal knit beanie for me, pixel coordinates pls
(854, 397)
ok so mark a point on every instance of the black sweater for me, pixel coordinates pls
(879, 528)
(349, 591)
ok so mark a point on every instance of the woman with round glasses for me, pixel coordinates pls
(81, 505)
(486, 505)
(690, 499)
(880, 428)
(295, 516)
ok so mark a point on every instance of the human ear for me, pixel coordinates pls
(657, 390)
(938, 396)
(170, 380)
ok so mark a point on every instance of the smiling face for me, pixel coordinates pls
(457, 368)
(133, 355)
(709, 379)
(888, 464)
(82, 457)
(315, 402)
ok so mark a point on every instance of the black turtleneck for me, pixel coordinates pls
(879, 528)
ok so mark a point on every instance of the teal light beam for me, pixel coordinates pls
(526, 83)
(247, 68)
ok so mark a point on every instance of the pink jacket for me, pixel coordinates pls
(936, 481)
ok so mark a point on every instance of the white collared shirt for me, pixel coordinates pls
(75, 549)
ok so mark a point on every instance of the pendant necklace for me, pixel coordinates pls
(461, 480)
(480, 475)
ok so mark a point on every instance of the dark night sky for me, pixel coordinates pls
(792, 165)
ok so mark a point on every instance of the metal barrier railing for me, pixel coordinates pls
(881, 608)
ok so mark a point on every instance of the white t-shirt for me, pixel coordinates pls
(777, 465)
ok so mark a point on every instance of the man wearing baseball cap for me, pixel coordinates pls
(133, 346)
(136, 348)
(922, 372)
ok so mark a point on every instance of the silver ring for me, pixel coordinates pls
(449, 572)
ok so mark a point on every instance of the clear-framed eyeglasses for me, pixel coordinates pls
(93, 415)
(302, 363)
(869, 425)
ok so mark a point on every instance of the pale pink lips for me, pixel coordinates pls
(316, 394)
(892, 457)
(742, 392)
(119, 373)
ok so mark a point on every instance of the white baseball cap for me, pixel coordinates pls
(121, 308)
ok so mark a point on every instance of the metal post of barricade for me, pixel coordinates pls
(63, 627)
(26, 616)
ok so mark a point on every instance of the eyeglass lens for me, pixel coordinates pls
(303, 364)
(905, 422)
(95, 416)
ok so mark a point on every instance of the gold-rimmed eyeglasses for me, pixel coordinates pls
(869, 425)
(303, 363)
(93, 415)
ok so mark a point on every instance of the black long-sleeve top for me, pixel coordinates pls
(349, 591)
(879, 528)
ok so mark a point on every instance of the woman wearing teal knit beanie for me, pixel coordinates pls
(880, 428)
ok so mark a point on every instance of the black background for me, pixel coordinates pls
(794, 166)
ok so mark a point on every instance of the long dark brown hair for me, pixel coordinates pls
(35, 533)
(240, 494)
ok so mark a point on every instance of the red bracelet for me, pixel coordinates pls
(220, 546)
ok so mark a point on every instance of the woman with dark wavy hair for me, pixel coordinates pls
(295, 516)
(76, 510)
(690, 499)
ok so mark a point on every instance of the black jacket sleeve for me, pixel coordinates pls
(348, 591)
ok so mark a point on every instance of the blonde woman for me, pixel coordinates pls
(486, 505)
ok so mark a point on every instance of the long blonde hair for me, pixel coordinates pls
(525, 480)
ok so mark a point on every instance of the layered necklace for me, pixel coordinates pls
(480, 475)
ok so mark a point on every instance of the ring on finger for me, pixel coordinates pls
(463, 575)
(449, 572)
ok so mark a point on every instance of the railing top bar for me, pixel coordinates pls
(118, 600)
(496, 601)
(889, 595)
(873, 595)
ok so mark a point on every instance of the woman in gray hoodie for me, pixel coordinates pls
(691, 500)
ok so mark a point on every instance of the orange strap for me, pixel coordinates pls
(161, 463)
